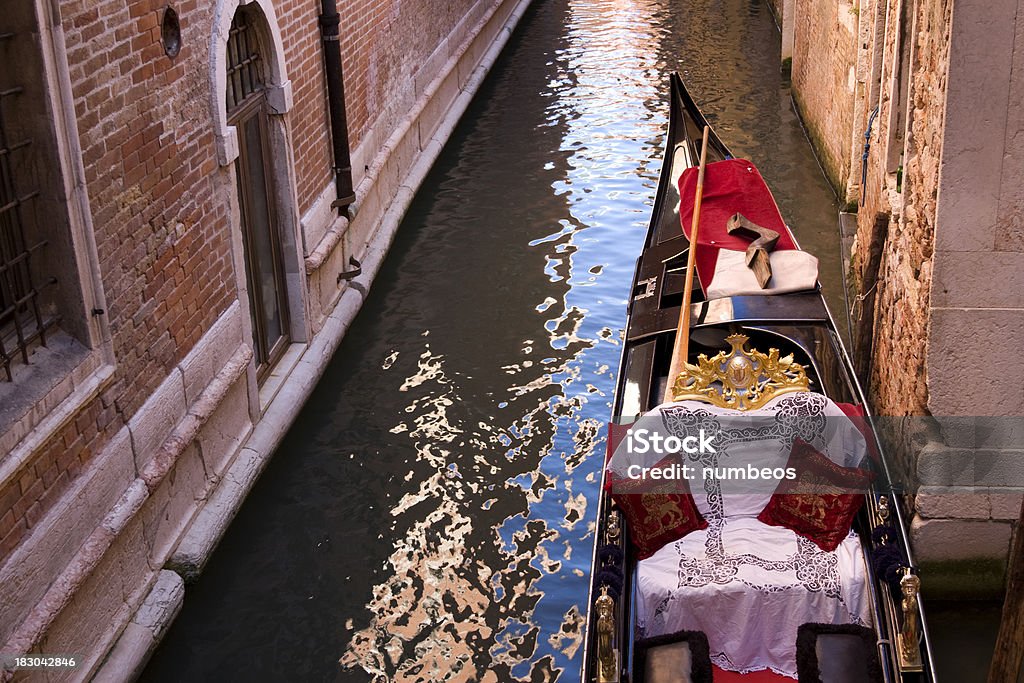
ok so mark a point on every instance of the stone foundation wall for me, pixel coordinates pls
(976, 310)
(934, 258)
(901, 296)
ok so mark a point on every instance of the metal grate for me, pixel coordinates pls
(21, 321)
(245, 66)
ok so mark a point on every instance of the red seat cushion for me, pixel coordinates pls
(657, 512)
(860, 420)
(821, 502)
(730, 186)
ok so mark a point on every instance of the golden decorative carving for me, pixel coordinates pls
(883, 508)
(614, 529)
(739, 379)
(909, 638)
(607, 658)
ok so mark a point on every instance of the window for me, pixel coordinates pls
(22, 323)
(54, 339)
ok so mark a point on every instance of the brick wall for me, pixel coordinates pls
(147, 145)
(164, 217)
(161, 223)
(824, 52)
(161, 204)
(383, 44)
(27, 497)
(160, 213)
(311, 139)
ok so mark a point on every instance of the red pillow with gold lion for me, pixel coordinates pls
(657, 511)
(821, 502)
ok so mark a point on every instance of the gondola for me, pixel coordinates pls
(672, 616)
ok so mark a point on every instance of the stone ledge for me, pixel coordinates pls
(936, 505)
(940, 540)
(209, 525)
(939, 502)
(116, 524)
(944, 466)
(135, 646)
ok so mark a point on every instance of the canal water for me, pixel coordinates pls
(429, 515)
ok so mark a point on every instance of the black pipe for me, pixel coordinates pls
(329, 21)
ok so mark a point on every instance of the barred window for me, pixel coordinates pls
(22, 322)
(245, 67)
(54, 336)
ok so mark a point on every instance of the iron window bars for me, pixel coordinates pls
(245, 71)
(21, 320)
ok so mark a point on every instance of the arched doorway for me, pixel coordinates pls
(249, 112)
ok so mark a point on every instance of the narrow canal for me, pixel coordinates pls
(428, 517)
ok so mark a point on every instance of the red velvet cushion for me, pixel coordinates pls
(821, 502)
(657, 511)
(730, 186)
(860, 420)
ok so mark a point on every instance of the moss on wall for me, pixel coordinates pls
(832, 167)
(979, 578)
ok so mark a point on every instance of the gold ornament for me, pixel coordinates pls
(739, 379)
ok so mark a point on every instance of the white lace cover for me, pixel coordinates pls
(749, 586)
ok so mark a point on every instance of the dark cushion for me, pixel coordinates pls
(682, 657)
(836, 653)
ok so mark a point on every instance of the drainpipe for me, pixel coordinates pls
(329, 21)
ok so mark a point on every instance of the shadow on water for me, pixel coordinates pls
(963, 638)
(426, 517)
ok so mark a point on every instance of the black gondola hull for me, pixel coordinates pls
(798, 323)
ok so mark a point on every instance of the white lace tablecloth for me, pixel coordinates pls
(747, 585)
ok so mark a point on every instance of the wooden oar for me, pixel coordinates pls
(681, 348)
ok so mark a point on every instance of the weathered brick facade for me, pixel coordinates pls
(103, 472)
(934, 265)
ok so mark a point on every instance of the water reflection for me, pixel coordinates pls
(513, 608)
(427, 518)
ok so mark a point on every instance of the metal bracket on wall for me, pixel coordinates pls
(349, 274)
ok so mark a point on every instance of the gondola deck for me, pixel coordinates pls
(795, 323)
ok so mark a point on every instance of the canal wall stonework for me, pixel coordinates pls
(824, 82)
(935, 280)
(129, 440)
